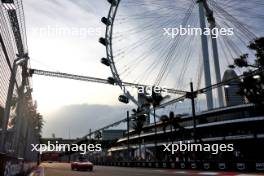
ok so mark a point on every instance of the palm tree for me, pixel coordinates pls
(155, 100)
(171, 121)
(164, 119)
(175, 123)
(171, 118)
(138, 127)
(98, 135)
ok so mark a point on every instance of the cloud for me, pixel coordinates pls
(78, 119)
(67, 12)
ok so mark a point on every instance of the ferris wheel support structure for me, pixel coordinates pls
(211, 20)
(205, 11)
(205, 52)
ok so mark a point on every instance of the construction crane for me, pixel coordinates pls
(95, 80)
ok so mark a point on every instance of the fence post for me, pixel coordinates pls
(8, 106)
(193, 111)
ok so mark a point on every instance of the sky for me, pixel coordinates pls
(64, 37)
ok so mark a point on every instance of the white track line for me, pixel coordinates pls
(42, 172)
(248, 175)
(208, 173)
(180, 172)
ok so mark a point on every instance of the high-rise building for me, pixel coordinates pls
(231, 90)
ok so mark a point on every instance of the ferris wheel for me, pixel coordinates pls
(144, 45)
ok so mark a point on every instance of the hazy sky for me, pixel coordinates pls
(63, 36)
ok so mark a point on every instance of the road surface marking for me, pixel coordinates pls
(240, 174)
(208, 173)
(180, 172)
(38, 172)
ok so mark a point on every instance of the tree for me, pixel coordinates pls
(139, 120)
(252, 86)
(98, 135)
(171, 121)
(155, 100)
(164, 119)
(39, 123)
(171, 118)
(258, 46)
(30, 108)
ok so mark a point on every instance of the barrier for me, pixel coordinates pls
(194, 165)
(241, 166)
(182, 165)
(260, 166)
(224, 166)
(11, 166)
(206, 166)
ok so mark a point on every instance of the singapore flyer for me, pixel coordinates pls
(165, 43)
(131, 87)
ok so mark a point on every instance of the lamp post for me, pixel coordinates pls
(128, 142)
(192, 95)
(155, 124)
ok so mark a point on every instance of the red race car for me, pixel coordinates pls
(82, 164)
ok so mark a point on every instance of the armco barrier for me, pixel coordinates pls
(223, 166)
(11, 166)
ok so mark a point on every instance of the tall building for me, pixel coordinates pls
(231, 90)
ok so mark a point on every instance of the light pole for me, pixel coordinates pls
(128, 142)
(155, 124)
(192, 96)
